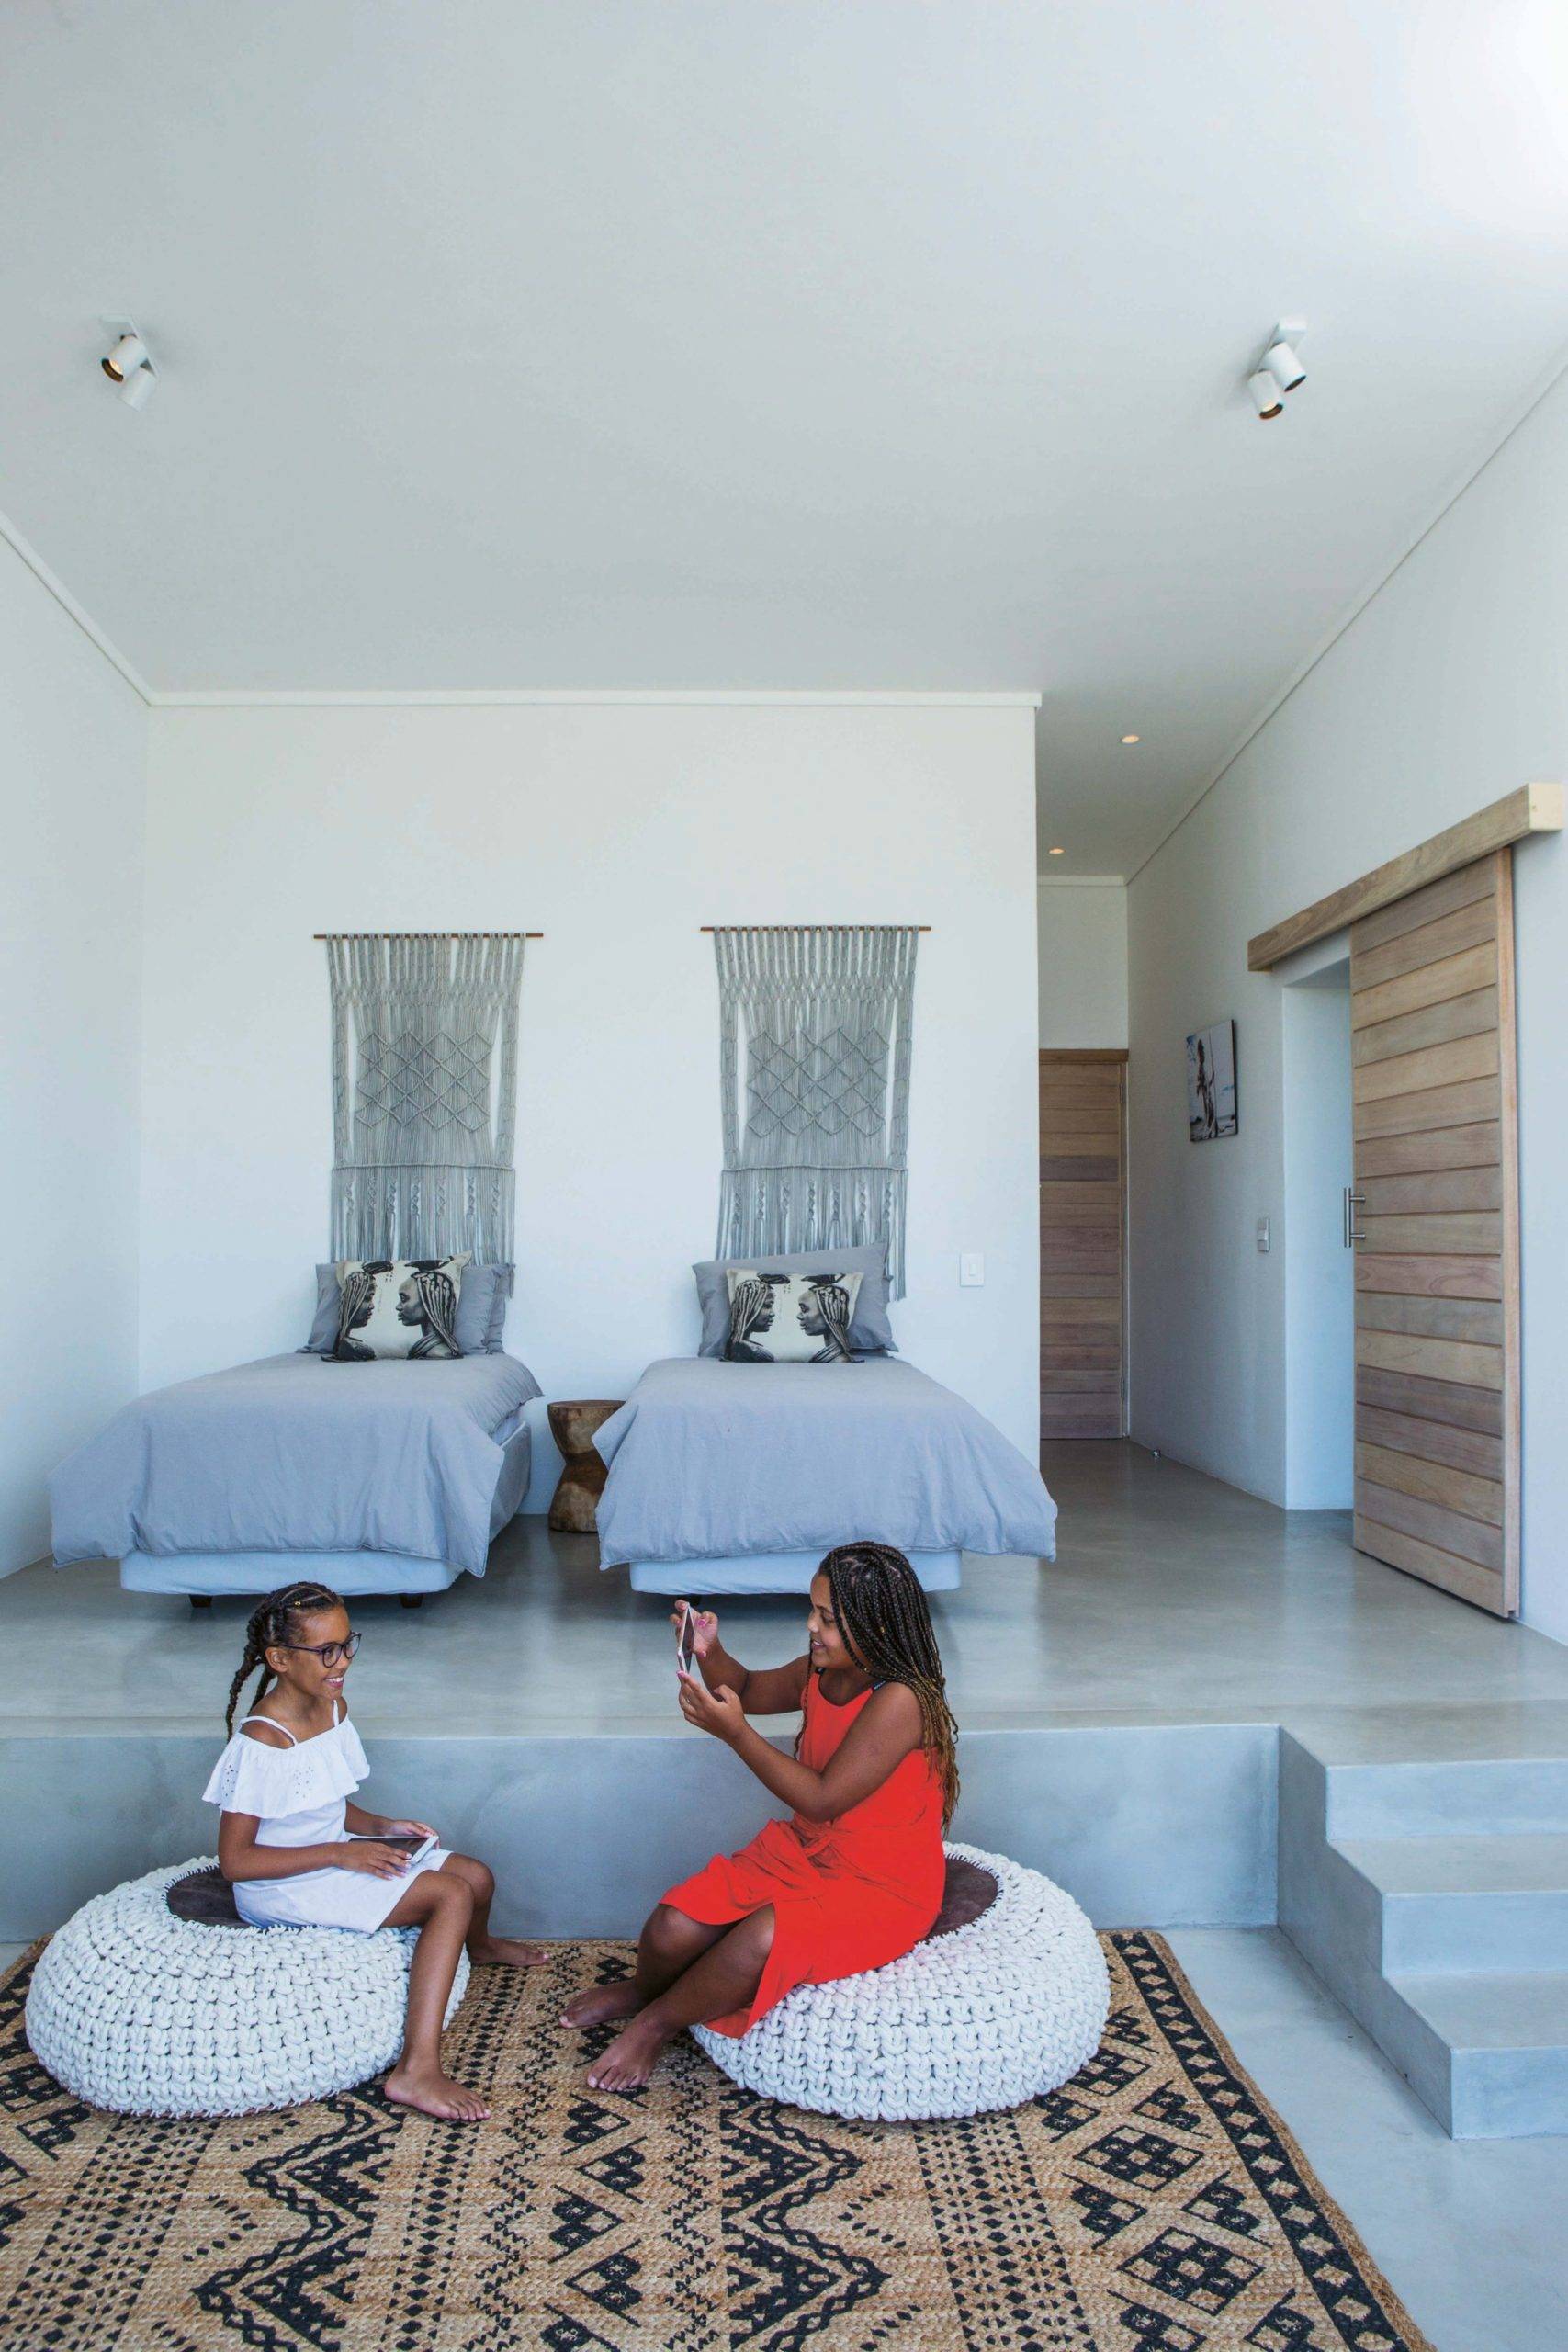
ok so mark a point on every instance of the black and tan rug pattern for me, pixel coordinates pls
(1157, 2204)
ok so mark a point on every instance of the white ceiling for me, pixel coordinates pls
(771, 343)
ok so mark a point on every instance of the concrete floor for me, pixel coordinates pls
(1174, 1599)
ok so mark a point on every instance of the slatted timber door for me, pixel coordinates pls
(1082, 1222)
(1437, 1271)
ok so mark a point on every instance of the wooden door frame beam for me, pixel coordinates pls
(1534, 809)
(1083, 1052)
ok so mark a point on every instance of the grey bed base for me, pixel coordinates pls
(203, 1575)
(772, 1572)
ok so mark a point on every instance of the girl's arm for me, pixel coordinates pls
(239, 1856)
(766, 1690)
(883, 1733)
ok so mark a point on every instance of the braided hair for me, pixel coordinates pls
(887, 1627)
(272, 1625)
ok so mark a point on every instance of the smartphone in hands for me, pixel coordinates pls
(686, 1641)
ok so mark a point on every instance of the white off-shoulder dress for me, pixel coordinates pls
(298, 1794)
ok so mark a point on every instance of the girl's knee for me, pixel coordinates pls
(476, 1875)
(452, 1897)
(667, 1929)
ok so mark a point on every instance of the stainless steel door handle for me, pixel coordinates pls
(1353, 1201)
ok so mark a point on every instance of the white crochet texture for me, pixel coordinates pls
(996, 2013)
(145, 2014)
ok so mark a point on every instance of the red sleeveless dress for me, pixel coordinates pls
(848, 1895)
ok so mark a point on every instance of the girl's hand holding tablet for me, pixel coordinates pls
(367, 1854)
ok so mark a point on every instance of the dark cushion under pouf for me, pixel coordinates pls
(206, 1897)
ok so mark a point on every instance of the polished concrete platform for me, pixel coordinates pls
(1174, 1600)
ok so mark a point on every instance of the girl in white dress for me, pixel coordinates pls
(296, 1850)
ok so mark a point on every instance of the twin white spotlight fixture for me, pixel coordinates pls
(129, 363)
(1279, 371)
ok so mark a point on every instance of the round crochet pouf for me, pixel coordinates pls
(144, 2013)
(988, 2016)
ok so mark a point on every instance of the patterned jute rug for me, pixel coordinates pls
(1155, 2205)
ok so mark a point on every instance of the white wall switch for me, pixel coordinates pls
(972, 1269)
(1265, 1237)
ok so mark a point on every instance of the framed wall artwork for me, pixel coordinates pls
(1211, 1082)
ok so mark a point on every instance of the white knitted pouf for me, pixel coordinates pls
(988, 2016)
(145, 2014)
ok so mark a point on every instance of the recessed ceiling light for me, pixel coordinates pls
(1131, 739)
(1058, 852)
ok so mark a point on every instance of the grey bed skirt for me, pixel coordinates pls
(215, 1573)
(772, 1572)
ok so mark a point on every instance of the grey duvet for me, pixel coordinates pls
(711, 1460)
(294, 1454)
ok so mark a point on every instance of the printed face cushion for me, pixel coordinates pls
(790, 1319)
(391, 1308)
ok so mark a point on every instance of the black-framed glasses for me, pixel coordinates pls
(329, 1653)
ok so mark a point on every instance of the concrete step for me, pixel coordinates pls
(1458, 1904)
(1501, 2041)
(1484, 1796)
(1431, 1896)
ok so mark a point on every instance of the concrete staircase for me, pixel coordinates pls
(1432, 1899)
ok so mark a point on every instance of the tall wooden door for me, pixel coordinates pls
(1438, 1252)
(1082, 1238)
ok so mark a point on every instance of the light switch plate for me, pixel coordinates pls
(972, 1269)
(1265, 1237)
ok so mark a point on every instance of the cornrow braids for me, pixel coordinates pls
(272, 1625)
(887, 1626)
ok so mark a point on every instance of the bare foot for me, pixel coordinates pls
(434, 2092)
(506, 1952)
(599, 2006)
(630, 2060)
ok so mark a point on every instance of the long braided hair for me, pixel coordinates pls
(271, 1624)
(887, 1627)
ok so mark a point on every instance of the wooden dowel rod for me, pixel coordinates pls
(814, 926)
(427, 935)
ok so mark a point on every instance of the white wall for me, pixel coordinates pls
(1449, 689)
(72, 744)
(1083, 962)
(617, 831)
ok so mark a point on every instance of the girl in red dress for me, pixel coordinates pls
(853, 1879)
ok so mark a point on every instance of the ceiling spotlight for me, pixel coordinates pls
(1267, 397)
(124, 358)
(129, 363)
(1057, 853)
(1131, 739)
(140, 387)
(1285, 366)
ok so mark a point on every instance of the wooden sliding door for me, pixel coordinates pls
(1437, 1264)
(1082, 1222)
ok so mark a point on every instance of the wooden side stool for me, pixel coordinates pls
(572, 1426)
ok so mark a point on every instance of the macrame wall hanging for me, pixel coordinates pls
(424, 1092)
(814, 1065)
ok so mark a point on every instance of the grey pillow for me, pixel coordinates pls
(481, 1311)
(870, 1332)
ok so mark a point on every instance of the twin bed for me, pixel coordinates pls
(376, 1477)
(395, 1478)
(736, 1477)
